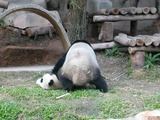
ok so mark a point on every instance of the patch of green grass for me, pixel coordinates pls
(114, 108)
(9, 110)
(80, 94)
(151, 75)
(37, 103)
(74, 116)
(47, 112)
(24, 93)
(114, 52)
(152, 103)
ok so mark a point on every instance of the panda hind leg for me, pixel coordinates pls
(100, 82)
(66, 83)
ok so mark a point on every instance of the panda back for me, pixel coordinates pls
(81, 54)
(80, 64)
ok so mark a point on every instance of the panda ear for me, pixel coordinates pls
(51, 82)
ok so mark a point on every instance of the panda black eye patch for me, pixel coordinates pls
(41, 80)
(51, 82)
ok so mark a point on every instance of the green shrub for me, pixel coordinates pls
(151, 59)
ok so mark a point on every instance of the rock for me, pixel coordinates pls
(9, 20)
(12, 3)
(95, 5)
(31, 20)
(148, 115)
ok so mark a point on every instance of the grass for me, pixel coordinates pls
(114, 108)
(32, 102)
(9, 110)
(152, 102)
(35, 103)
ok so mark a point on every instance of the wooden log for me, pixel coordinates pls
(132, 50)
(148, 40)
(145, 39)
(139, 10)
(137, 60)
(145, 10)
(39, 30)
(139, 40)
(124, 40)
(4, 4)
(132, 10)
(156, 42)
(114, 11)
(99, 18)
(100, 46)
(100, 12)
(153, 10)
(106, 32)
(123, 11)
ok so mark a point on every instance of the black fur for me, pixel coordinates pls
(51, 83)
(67, 84)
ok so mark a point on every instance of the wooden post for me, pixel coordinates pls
(137, 60)
(106, 32)
(4, 4)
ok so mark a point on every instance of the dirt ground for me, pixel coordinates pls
(114, 69)
(19, 50)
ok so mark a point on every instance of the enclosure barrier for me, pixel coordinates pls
(46, 14)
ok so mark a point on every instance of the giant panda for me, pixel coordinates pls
(78, 67)
(50, 81)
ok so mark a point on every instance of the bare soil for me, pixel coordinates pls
(16, 50)
(19, 50)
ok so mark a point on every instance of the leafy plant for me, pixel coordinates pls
(151, 59)
(114, 52)
(2, 23)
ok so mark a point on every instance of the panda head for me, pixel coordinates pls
(49, 82)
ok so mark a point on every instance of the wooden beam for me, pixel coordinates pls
(132, 50)
(114, 18)
(101, 46)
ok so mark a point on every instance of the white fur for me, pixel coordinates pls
(46, 79)
(80, 64)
